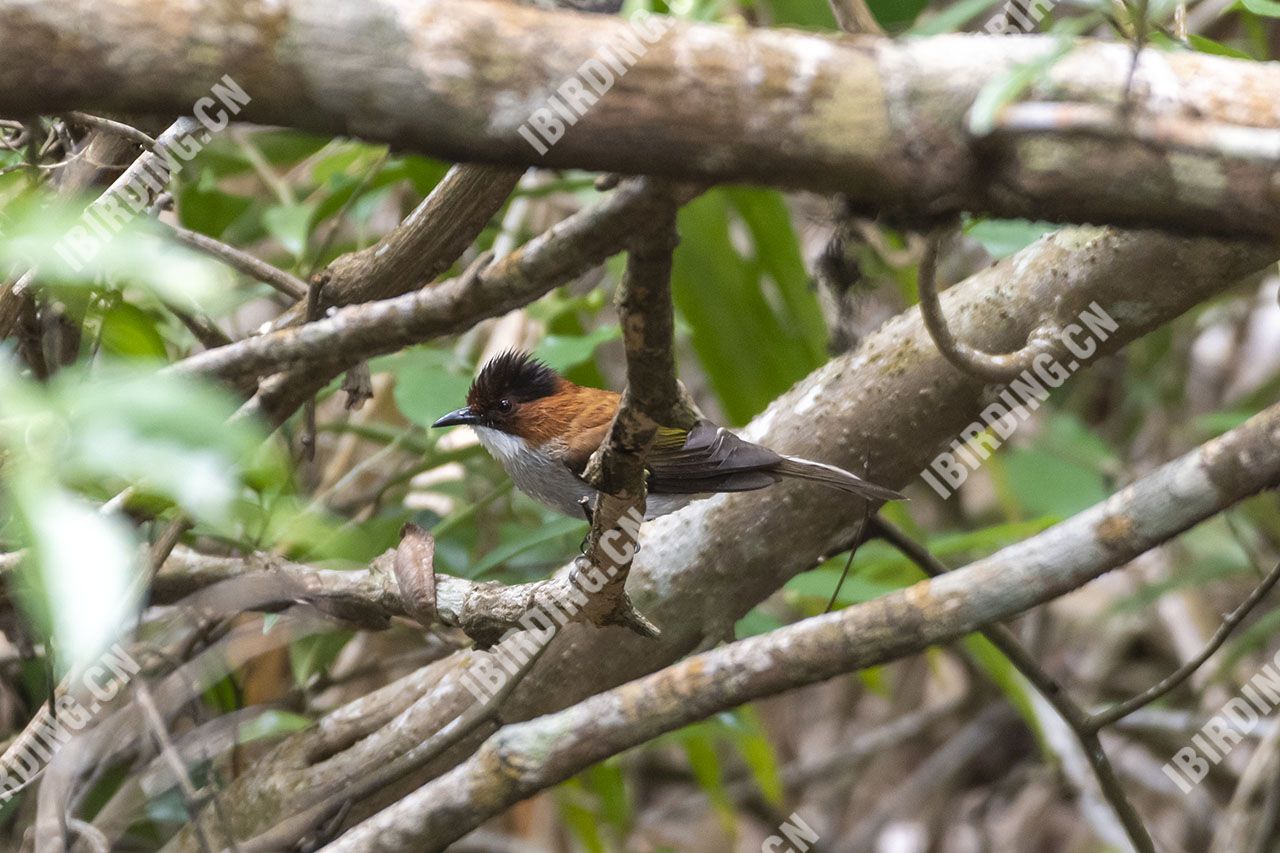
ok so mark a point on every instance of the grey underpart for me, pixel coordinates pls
(541, 473)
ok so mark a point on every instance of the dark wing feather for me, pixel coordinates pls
(708, 459)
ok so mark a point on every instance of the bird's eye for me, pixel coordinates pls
(504, 406)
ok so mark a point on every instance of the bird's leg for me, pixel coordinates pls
(585, 503)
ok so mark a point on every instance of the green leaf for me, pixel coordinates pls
(288, 147)
(752, 349)
(75, 250)
(766, 216)
(316, 653)
(205, 208)
(423, 172)
(1206, 45)
(1047, 484)
(429, 383)
(986, 540)
(557, 529)
(343, 187)
(338, 166)
(131, 332)
(953, 17)
(807, 14)
(86, 561)
(607, 782)
(291, 225)
(1213, 424)
(125, 425)
(1004, 89)
(819, 583)
(1265, 8)
(757, 751)
(271, 724)
(564, 352)
(705, 764)
(756, 622)
(1005, 676)
(1003, 237)
(896, 15)
(580, 819)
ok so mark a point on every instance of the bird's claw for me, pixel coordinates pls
(585, 503)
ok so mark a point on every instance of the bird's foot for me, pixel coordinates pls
(585, 503)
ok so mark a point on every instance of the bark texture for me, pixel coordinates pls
(889, 124)
(896, 400)
(525, 758)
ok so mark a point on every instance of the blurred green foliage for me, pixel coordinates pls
(112, 423)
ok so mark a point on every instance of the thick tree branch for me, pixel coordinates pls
(420, 248)
(287, 833)
(358, 332)
(895, 398)
(430, 239)
(1076, 718)
(891, 125)
(484, 610)
(547, 750)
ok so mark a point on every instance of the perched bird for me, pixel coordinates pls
(543, 429)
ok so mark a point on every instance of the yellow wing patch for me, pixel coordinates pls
(670, 438)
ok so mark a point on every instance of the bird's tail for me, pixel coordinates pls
(830, 475)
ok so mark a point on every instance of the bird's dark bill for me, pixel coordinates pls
(458, 417)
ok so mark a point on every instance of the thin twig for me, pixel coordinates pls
(117, 127)
(357, 332)
(241, 261)
(1074, 716)
(164, 743)
(854, 16)
(1102, 719)
(1141, 27)
(308, 439)
(90, 835)
(987, 366)
(1269, 822)
(201, 326)
(287, 833)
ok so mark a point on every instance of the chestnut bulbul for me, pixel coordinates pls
(543, 428)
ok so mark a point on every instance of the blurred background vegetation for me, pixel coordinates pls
(767, 286)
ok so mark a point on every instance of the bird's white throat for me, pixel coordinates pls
(537, 472)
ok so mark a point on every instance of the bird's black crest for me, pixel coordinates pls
(512, 375)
